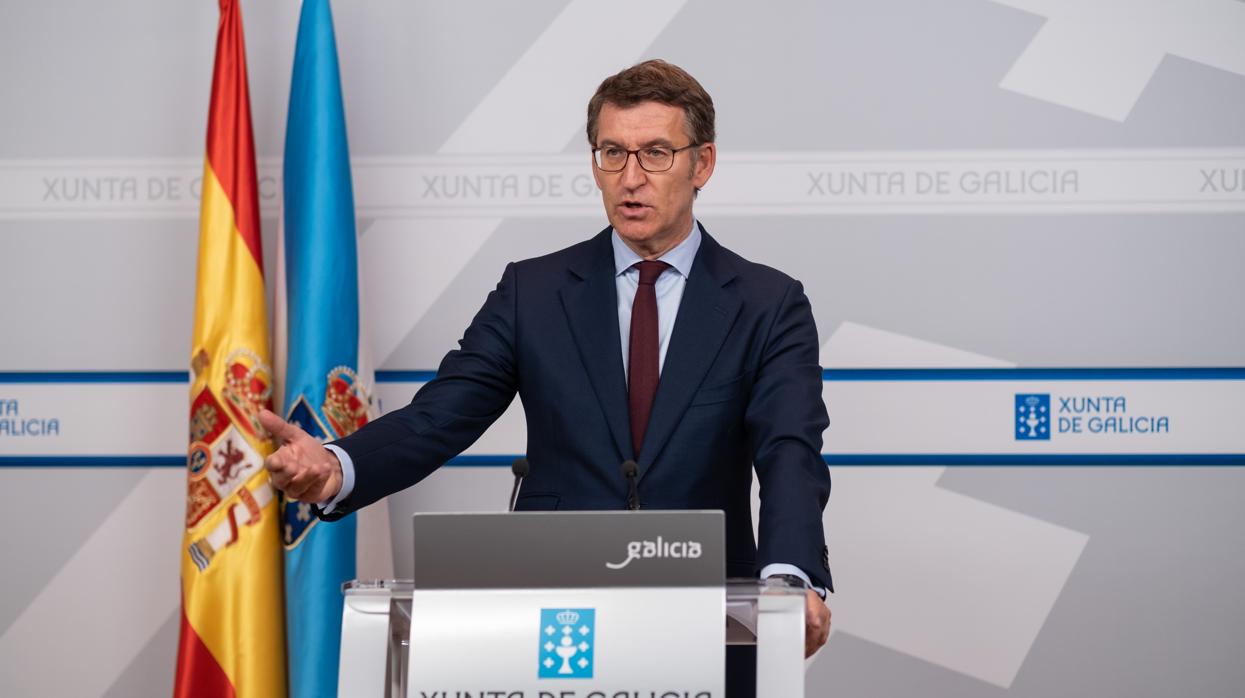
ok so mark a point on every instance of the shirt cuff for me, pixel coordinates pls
(347, 479)
(775, 568)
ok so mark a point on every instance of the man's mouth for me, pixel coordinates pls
(633, 210)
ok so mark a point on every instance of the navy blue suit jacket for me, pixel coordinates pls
(740, 387)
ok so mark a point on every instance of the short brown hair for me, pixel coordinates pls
(656, 81)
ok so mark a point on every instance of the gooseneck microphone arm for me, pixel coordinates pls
(629, 471)
(520, 468)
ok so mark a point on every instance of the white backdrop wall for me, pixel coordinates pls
(985, 199)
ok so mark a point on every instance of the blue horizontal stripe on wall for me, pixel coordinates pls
(850, 459)
(1035, 459)
(1011, 374)
(959, 374)
(831, 375)
(965, 459)
(92, 461)
(405, 376)
(94, 377)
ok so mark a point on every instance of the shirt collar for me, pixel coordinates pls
(681, 257)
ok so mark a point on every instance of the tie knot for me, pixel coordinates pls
(649, 271)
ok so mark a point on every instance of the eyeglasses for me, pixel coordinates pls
(653, 158)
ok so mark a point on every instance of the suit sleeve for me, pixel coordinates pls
(785, 419)
(473, 387)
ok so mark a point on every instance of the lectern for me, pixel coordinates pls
(567, 605)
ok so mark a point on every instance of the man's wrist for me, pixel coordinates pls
(337, 473)
(796, 575)
(345, 468)
(790, 579)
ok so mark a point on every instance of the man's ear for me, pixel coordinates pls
(702, 169)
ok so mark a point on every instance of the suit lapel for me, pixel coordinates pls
(706, 313)
(591, 305)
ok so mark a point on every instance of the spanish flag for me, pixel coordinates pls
(232, 631)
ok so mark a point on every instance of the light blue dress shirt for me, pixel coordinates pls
(669, 288)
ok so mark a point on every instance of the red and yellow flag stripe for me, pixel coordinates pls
(232, 640)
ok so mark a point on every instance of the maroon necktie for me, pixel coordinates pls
(642, 361)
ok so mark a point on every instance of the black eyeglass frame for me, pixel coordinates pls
(596, 157)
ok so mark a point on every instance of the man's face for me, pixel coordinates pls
(652, 211)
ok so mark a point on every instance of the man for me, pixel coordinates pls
(649, 341)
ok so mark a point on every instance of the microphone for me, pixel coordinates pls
(629, 471)
(520, 468)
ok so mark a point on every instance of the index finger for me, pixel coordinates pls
(276, 426)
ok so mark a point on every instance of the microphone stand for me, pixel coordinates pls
(630, 470)
(520, 468)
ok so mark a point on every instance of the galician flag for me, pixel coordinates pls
(326, 380)
(232, 640)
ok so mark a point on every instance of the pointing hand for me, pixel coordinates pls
(302, 468)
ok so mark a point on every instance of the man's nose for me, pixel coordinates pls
(633, 176)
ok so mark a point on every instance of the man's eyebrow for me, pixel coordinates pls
(647, 144)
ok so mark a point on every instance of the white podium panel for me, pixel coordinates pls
(375, 645)
(607, 641)
(568, 605)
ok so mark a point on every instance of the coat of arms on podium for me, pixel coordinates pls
(567, 643)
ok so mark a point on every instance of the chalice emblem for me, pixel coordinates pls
(567, 643)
